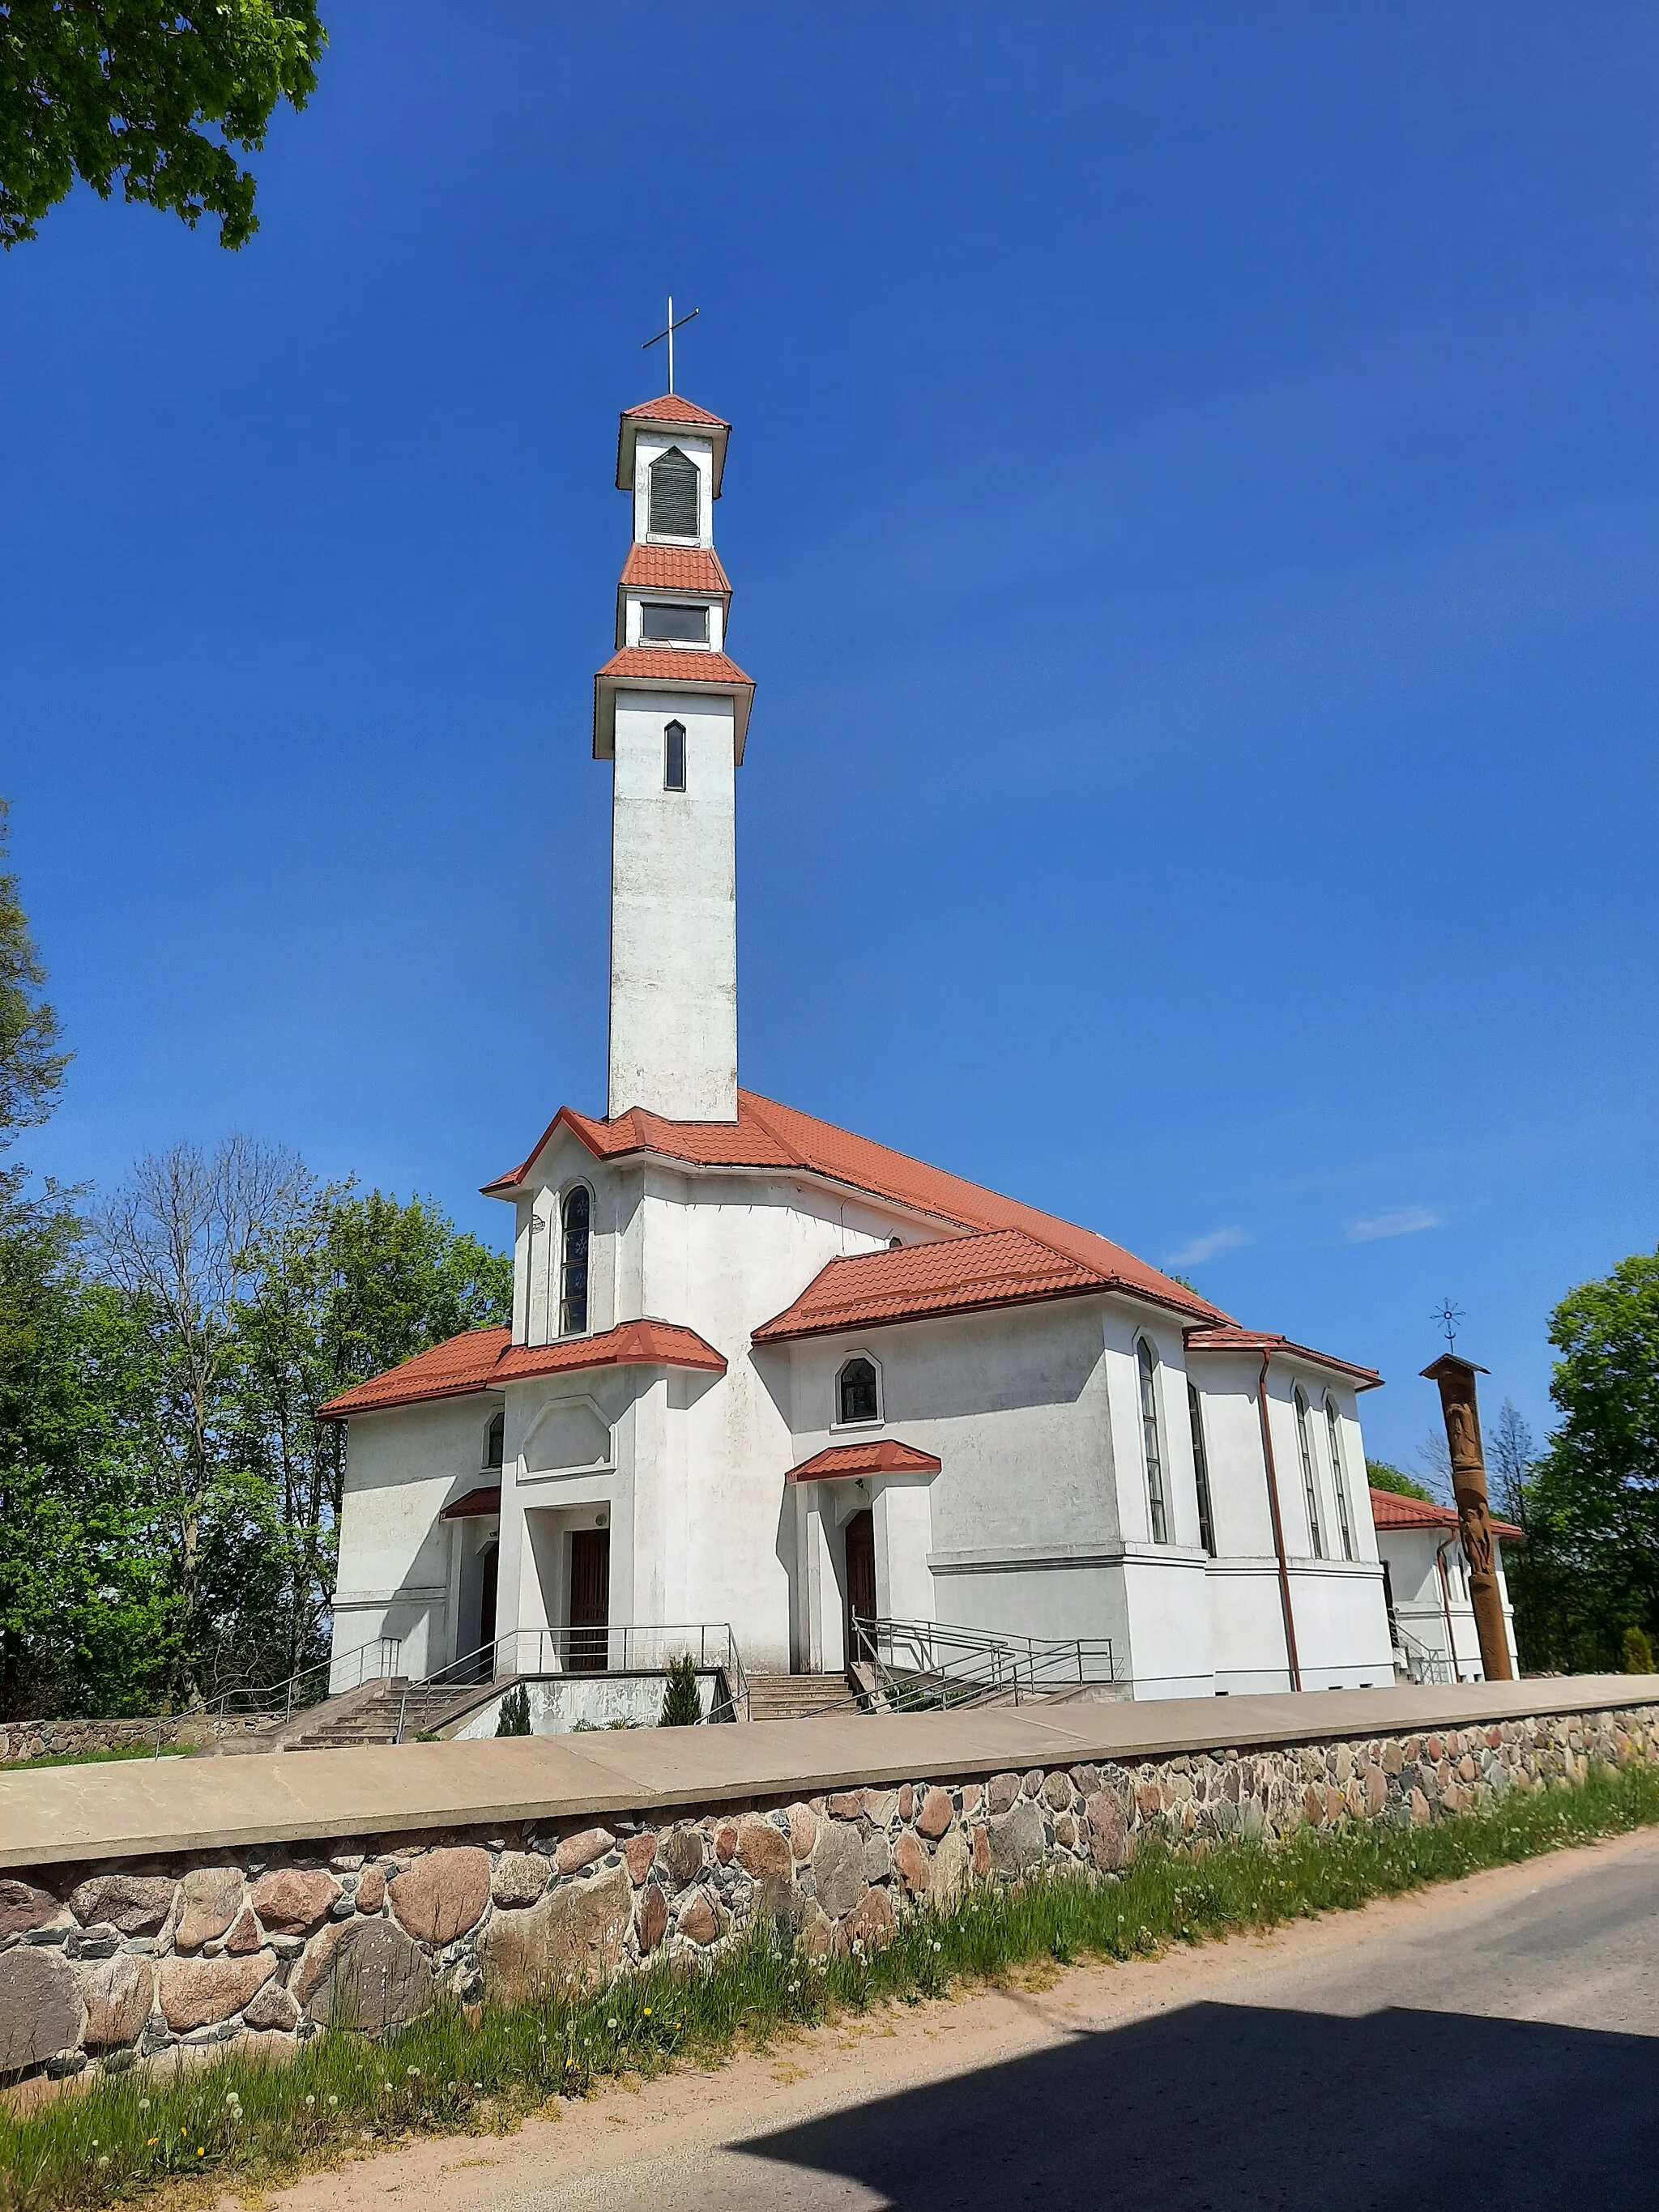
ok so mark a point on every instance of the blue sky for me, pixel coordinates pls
(1192, 509)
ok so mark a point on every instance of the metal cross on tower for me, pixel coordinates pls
(668, 332)
(1448, 1315)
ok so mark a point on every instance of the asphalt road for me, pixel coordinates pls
(1495, 2043)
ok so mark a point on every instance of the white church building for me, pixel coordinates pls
(764, 1372)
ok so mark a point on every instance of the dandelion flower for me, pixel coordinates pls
(143, 2104)
(647, 2012)
(611, 2025)
(310, 2102)
(103, 2166)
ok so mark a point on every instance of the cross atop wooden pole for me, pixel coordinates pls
(667, 331)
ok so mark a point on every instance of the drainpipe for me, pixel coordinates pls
(1278, 1526)
(1445, 1606)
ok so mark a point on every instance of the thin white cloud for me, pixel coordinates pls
(1208, 1247)
(1404, 1221)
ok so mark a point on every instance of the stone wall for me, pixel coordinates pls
(102, 1967)
(24, 1740)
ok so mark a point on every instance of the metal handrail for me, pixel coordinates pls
(375, 1661)
(930, 1662)
(1423, 1664)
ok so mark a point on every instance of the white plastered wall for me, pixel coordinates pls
(673, 912)
(402, 1466)
(1421, 1606)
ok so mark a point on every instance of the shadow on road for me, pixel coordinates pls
(1236, 2107)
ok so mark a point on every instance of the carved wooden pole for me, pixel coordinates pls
(1456, 1379)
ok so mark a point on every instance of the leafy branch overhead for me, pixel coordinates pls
(160, 96)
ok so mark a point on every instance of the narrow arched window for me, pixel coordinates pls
(1310, 1479)
(576, 1217)
(855, 1392)
(494, 1441)
(673, 757)
(1151, 1440)
(674, 495)
(1201, 1471)
(1338, 1475)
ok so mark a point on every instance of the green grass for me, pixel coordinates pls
(243, 2122)
(92, 1758)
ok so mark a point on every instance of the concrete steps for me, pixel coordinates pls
(797, 1697)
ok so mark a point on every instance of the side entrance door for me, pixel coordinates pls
(489, 1561)
(860, 1581)
(590, 1599)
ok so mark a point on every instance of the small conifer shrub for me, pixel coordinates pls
(515, 1712)
(681, 1706)
(1638, 1650)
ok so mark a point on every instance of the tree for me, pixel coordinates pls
(346, 1287)
(1382, 1474)
(99, 89)
(1512, 1457)
(681, 1706)
(183, 1243)
(1592, 1499)
(31, 1064)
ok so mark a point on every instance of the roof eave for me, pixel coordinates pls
(628, 435)
(605, 688)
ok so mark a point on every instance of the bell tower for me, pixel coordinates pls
(671, 712)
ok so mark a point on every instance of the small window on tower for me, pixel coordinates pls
(674, 495)
(673, 757)
(675, 623)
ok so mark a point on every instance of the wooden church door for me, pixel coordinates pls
(860, 1580)
(590, 1599)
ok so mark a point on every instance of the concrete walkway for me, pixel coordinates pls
(1489, 2045)
(138, 1808)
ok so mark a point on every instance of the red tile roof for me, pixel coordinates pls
(485, 1359)
(475, 1504)
(1228, 1337)
(686, 663)
(768, 1135)
(675, 568)
(670, 408)
(1391, 1510)
(959, 1275)
(884, 1457)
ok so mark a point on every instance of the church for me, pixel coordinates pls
(765, 1373)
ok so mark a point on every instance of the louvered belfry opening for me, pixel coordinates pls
(674, 495)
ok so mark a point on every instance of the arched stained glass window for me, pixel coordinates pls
(673, 495)
(1338, 1475)
(1310, 1479)
(1201, 1471)
(576, 1217)
(856, 1396)
(1152, 1441)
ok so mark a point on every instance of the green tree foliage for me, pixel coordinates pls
(1638, 1651)
(1382, 1474)
(156, 92)
(348, 1286)
(1590, 1504)
(514, 1718)
(682, 1707)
